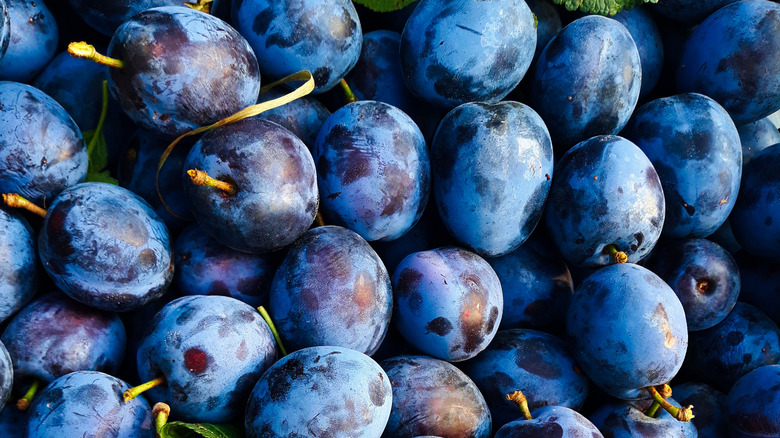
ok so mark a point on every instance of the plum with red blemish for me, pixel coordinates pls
(448, 302)
(535, 361)
(211, 350)
(331, 289)
(627, 330)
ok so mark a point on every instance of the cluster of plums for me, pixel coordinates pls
(482, 222)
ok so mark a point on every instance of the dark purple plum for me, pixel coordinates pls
(687, 11)
(373, 170)
(732, 56)
(55, 335)
(627, 330)
(628, 420)
(760, 284)
(206, 267)
(550, 422)
(709, 408)
(753, 218)
(744, 341)
(303, 116)
(32, 40)
(88, 404)
(606, 195)
(47, 155)
(433, 397)
(6, 376)
(536, 284)
(211, 350)
(586, 81)
(21, 273)
(695, 148)
(105, 247)
(182, 69)
(535, 361)
(753, 404)
(454, 53)
(321, 36)
(136, 324)
(704, 276)
(492, 166)
(756, 137)
(275, 183)
(331, 289)
(320, 391)
(647, 36)
(447, 302)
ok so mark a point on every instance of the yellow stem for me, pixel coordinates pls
(87, 51)
(15, 200)
(138, 390)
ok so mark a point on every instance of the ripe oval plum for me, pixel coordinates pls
(627, 329)
(492, 165)
(753, 404)
(331, 289)
(453, 53)
(303, 117)
(320, 391)
(757, 136)
(606, 195)
(21, 272)
(275, 184)
(647, 36)
(105, 247)
(732, 56)
(447, 302)
(709, 405)
(373, 170)
(6, 376)
(587, 80)
(32, 40)
(628, 420)
(550, 421)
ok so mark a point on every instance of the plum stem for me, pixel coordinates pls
(271, 325)
(521, 401)
(138, 390)
(665, 392)
(349, 96)
(202, 178)
(318, 220)
(617, 256)
(703, 286)
(681, 414)
(87, 51)
(15, 200)
(23, 403)
(160, 412)
(200, 5)
(101, 120)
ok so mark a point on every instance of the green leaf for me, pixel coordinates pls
(178, 429)
(385, 5)
(98, 159)
(601, 7)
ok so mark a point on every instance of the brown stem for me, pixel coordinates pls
(202, 178)
(522, 403)
(617, 256)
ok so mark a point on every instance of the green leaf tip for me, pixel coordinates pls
(97, 149)
(177, 429)
(601, 7)
(385, 5)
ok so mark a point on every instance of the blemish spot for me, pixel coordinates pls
(195, 360)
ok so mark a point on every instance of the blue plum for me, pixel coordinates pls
(32, 40)
(606, 194)
(687, 11)
(760, 284)
(182, 69)
(6, 375)
(88, 404)
(744, 341)
(206, 267)
(320, 391)
(322, 36)
(433, 397)
(13, 423)
(550, 422)
(756, 137)
(47, 155)
(55, 335)
(211, 350)
(535, 361)
(587, 80)
(695, 148)
(628, 420)
(21, 273)
(732, 56)
(548, 23)
(492, 166)
(303, 116)
(275, 183)
(704, 276)
(447, 302)
(373, 170)
(708, 405)
(647, 36)
(454, 53)
(331, 289)
(625, 351)
(5, 28)
(758, 204)
(536, 284)
(105, 247)
(753, 404)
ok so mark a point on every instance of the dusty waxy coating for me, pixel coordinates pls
(32, 39)
(21, 272)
